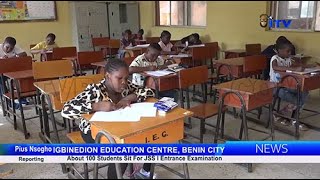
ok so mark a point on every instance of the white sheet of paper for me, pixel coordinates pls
(197, 45)
(180, 56)
(128, 114)
(142, 45)
(159, 73)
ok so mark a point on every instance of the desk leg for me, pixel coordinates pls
(23, 120)
(297, 124)
(13, 105)
(38, 104)
(45, 121)
(271, 122)
(52, 118)
(155, 80)
(152, 170)
(188, 106)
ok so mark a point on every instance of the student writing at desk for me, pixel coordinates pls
(150, 61)
(48, 44)
(270, 51)
(165, 44)
(192, 39)
(126, 41)
(112, 93)
(9, 49)
(282, 62)
(139, 36)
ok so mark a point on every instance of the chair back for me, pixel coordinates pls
(214, 49)
(15, 64)
(200, 55)
(87, 57)
(254, 63)
(253, 49)
(52, 69)
(100, 41)
(71, 87)
(61, 52)
(193, 76)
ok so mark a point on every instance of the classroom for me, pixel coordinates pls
(158, 72)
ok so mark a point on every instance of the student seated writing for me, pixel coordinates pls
(48, 44)
(192, 39)
(126, 41)
(139, 36)
(112, 93)
(270, 51)
(282, 62)
(166, 45)
(150, 61)
(9, 49)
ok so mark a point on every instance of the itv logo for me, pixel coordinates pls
(266, 20)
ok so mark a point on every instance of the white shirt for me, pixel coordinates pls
(166, 48)
(16, 50)
(275, 77)
(141, 61)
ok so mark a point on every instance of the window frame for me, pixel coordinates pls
(271, 8)
(186, 16)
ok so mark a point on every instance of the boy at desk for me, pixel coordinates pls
(9, 49)
(48, 44)
(282, 62)
(112, 93)
(166, 45)
(150, 61)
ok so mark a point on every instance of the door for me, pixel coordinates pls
(114, 21)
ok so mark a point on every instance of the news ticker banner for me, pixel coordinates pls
(229, 152)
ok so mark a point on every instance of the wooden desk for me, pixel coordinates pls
(255, 93)
(307, 82)
(300, 83)
(242, 67)
(162, 83)
(235, 64)
(100, 67)
(246, 94)
(22, 82)
(48, 97)
(159, 129)
(52, 88)
(24, 78)
(46, 55)
(234, 53)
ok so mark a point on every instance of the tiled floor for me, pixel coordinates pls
(212, 171)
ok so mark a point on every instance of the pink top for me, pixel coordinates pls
(166, 48)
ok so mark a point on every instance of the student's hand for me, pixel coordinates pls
(104, 106)
(123, 103)
(152, 68)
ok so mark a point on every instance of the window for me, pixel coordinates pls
(301, 13)
(181, 13)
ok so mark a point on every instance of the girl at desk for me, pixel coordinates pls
(166, 45)
(112, 93)
(282, 62)
(126, 41)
